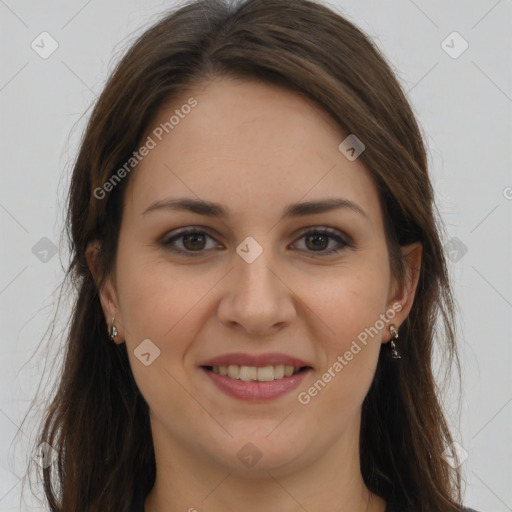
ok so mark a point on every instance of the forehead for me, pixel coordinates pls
(251, 146)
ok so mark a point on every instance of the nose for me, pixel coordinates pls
(257, 298)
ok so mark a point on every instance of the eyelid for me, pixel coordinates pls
(339, 236)
(333, 233)
(175, 233)
(326, 229)
(180, 232)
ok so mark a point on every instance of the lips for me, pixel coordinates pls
(256, 377)
(261, 360)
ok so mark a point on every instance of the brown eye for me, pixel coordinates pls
(318, 240)
(189, 242)
(194, 241)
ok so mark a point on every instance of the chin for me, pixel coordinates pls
(257, 457)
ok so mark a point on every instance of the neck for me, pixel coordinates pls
(189, 481)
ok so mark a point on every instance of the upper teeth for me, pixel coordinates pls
(248, 373)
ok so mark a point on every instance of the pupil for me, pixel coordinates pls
(193, 238)
(317, 241)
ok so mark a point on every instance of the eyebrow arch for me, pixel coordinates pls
(216, 210)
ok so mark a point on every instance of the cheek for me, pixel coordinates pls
(167, 306)
(350, 307)
(154, 297)
(158, 306)
(349, 302)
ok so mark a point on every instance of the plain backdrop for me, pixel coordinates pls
(461, 96)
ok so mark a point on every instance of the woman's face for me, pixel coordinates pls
(251, 293)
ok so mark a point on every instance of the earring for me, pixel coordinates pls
(394, 351)
(113, 330)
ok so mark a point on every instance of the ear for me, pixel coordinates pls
(107, 290)
(402, 296)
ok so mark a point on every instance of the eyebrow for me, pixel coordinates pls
(216, 210)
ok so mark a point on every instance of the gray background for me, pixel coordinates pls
(463, 104)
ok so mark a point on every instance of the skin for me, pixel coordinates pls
(254, 148)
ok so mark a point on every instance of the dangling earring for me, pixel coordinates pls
(113, 330)
(394, 351)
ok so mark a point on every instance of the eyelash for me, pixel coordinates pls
(331, 233)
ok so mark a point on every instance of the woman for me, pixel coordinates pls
(259, 273)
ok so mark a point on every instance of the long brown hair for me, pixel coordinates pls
(98, 422)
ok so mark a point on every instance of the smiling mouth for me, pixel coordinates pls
(255, 373)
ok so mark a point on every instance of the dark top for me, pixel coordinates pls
(390, 507)
(395, 507)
